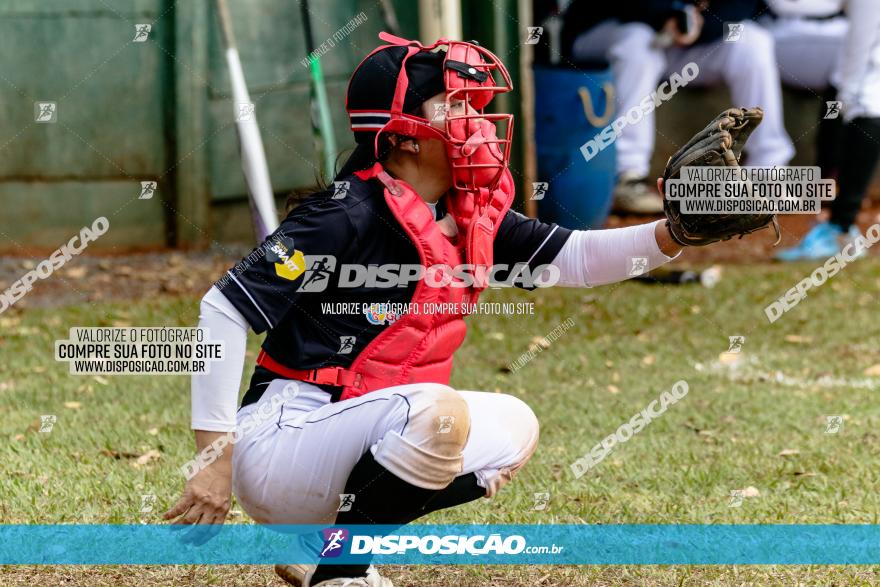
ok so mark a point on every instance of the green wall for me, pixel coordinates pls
(158, 110)
(109, 133)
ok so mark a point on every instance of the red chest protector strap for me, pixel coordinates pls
(419, 346)
(337, 376)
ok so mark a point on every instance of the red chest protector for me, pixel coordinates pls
(418, 347)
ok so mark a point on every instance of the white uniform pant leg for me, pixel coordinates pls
(637, 66)
(858, 75)
(748, 67)
(504, 436)
(293, 466)
(808, 50)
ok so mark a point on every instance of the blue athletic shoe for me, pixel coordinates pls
(851, 235)
(821, 242)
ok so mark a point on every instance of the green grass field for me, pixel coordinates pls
(758, 421)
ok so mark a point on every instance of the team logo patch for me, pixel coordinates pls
(334, 539)
(380, 314)
(289, 263)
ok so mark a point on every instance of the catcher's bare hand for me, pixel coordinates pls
(206, 499)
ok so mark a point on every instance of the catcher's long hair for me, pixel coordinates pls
(361, 157)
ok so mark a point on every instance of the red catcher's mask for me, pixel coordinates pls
(472, 75)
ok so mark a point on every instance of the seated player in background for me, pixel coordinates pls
(854, 149)
(644, 41)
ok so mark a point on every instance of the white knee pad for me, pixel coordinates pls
(428, 451)
(522, 425)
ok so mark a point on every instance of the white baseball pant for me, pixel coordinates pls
(292, 467)
(808, 51)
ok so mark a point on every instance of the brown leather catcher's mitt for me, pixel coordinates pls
(719, 144)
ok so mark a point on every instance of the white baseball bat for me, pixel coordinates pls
(253, 157)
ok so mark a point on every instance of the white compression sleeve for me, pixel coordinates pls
(597, 257)
(214, 394)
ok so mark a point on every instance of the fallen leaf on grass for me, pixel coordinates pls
(9, 322)
(153, 431)
(117, 454)
(72, 405)
(788, 452)
(729, 359)
(796, 338)
(613, 389)
(541, 341)
(147, 457)
(101, 380)
(648, 360)
(707, 434)
(25, 331)
(873, 371)
(749, 492)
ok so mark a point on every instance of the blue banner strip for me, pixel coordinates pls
(672, 544)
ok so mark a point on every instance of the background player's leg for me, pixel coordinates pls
(859, 146)
(807, 50)
(829, 137)
(859, 156)
(637, 66)
(748, 68)
(807, 53)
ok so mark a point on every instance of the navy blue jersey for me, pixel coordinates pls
(320, 286)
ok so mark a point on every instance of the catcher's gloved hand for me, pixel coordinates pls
(719, 144)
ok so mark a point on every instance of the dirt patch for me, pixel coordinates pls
(96, 278)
